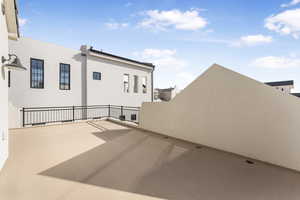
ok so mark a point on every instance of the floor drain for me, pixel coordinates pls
(249, 162)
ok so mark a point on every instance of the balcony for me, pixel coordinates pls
(103, 160)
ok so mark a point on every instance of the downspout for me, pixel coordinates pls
(152, 89)
(84, 54)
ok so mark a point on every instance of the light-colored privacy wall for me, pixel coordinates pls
(109, 90)
(228, 111)
(4, 92)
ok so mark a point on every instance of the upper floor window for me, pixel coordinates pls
(64, 76)
(135, 84)
(96, 76)
(36, 73)
(126, 83)
(144, 84)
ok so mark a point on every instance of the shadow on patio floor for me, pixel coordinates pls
(149, 164)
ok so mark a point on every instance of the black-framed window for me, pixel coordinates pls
(64, 76)
(36, 73)
(9, 78)
(96, 76)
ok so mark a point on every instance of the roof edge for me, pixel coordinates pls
(121, 58)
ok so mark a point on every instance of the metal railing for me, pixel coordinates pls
(43, 115)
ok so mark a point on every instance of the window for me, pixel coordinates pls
(135, 84)
(36, 73)
(64, 76)
(133, 117)
(126, 83)
(144, 83)
(9, 79)
(96, 76)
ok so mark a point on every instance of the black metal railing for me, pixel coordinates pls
(43, 115)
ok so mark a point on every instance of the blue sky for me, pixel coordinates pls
(260, 39)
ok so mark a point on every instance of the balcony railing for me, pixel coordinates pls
(44, 115)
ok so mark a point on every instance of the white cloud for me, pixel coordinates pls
(22, 21)
(277, 62)
(163, 58)
(170, 69)
(128, 4)
(161, 20)
(292, 3)
(115, 25)
(286, 23)
(252, 40)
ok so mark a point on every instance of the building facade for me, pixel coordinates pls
(166, 94)
(58, 76)
(283, 86)
(8, 29)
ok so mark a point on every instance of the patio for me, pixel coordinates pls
(104, 160)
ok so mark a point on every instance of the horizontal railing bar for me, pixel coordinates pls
(44, 115)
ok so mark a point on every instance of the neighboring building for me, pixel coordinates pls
(284, 86)
(8, 30)
(165, 94)
(58, 76)
(296, 94)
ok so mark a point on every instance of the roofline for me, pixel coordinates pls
(296, 94)
(121, 58)
(280, 83)
(17, 19)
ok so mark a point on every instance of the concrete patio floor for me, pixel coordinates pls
(104, 160)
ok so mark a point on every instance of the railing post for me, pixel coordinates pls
(73, 108)
(108, 110)
(121, 110)
(23, 116)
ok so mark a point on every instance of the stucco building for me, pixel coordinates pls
(283, 86)
(58, 76)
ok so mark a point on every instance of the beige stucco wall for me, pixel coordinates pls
(231, 112)
(4, 92)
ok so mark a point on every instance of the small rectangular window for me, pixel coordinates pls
(36, 73)
(96, 76)
(64, 76)
(133, 117)
(126, 83)
(136, 84)
(144, 84)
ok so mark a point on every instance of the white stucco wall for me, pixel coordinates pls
(20, 93)
(84, 90)
(109, 90)
(4, 92)
(228, 111)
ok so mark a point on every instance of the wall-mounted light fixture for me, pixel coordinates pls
(12, 63)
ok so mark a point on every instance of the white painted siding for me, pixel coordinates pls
(109, 90)
(20, 93)
(4, 93)
(84, 90)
